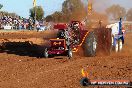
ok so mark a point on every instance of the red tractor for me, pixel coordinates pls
(69, 38)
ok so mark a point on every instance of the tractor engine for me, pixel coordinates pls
(75, 32)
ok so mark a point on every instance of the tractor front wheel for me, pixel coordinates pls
(70, 53)
(120, 44)
(116, 48)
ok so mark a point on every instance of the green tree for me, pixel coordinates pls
(116, 11)
(13, 15)
(71, 10)
(129, 15)
(1, 6)
(58, 17)
(49, 18)
(39, 12)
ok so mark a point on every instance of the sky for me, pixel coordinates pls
(101, 5)
(21, 7)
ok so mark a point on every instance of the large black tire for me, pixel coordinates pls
(90, 45)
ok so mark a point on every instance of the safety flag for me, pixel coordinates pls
(34, 3)
(90, 8)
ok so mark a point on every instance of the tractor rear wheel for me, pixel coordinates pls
(90, 45)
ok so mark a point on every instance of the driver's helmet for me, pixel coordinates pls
(75, 24)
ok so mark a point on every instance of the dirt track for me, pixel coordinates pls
(21, 70)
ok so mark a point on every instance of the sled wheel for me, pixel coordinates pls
(70, 53)
(46, 53)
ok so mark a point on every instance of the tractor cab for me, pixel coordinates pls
(61, 27)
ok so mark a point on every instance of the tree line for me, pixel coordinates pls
(116, 11)
(74, 10)
(71, 10)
